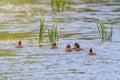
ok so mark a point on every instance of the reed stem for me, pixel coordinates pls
(105, 35)
(41, 31)
(53, 34)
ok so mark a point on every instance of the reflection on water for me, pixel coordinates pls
(19, 19)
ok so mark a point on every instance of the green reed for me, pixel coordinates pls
(105, 35)
(53, 34)
(58, 5)
(47, 33)
(41, 31)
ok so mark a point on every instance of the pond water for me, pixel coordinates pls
(19, 20)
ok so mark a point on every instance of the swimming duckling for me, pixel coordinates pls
(68, 48)
(91, 52)
(19, 45)
(75, 46)
(78, 48)
(54, 46)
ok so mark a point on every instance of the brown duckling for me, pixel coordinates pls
(68, 48)
(78, 48)
(91, 52)
(19, 45)
(75, 46)
(54, 46)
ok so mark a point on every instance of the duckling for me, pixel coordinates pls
(91, 52)
(54, 46)
(19, 45)
(75, 46)
(68, 48)
(78, 48)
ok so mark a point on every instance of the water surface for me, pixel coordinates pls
(19, 20)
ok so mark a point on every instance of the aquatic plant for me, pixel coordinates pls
(41, 31)
(105, 35)
(58, 5)
(47, 33)
(53, 34)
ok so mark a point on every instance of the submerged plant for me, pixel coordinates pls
(58, 5)
(53, 34)
(105, 35)
(41, 31)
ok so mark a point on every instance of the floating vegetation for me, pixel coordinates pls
(47, 33)
(58, 5)
(104, 32)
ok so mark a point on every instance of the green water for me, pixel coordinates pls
(17, 2)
